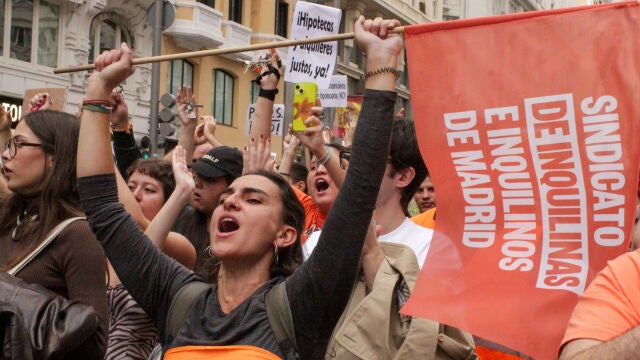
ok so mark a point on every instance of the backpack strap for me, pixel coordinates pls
(48, 240)
(281, 321)
(180, 307)
(278, 312)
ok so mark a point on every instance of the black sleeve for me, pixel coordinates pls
(150, 276)
(318, 292)
(125, 150)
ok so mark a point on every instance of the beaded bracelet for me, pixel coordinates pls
(326, 157)
(382, 70)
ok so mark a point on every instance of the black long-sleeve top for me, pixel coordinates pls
(318, 291)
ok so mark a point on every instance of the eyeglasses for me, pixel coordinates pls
(12, 145)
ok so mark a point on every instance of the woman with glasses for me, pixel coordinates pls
(38, 164)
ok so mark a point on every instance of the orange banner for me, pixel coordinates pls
(529, 126)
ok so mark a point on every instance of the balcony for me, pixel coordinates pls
(236, 35)
(196, 26)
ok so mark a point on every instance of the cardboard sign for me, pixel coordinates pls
(529, 129)
(58, 97)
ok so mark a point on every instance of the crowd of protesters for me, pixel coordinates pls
(334, 236)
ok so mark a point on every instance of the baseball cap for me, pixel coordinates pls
(219, 161)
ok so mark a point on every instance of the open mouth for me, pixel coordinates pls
(321, 185)
(226, 225)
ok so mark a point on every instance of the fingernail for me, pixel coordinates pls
(252, 139)
(245, 148)
(261, 136)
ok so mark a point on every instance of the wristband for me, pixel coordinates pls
(104, 109)
(268, 94)
(326, 157)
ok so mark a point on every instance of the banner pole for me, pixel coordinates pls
(230, 50)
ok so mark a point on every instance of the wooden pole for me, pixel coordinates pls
(231, 50)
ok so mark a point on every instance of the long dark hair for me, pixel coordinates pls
(289, 258)
(57, 198)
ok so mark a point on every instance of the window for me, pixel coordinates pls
(209, 3)
(235, 11)
(30, 24)
(255, 90)
(282, 14)
(180, 73)
(222, 97)
(108, 32)
(48, 34)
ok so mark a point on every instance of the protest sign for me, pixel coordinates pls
(336, 94)
(529, 129)
(277, 119)
(312, 62)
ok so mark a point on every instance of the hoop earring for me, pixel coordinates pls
(275, 253)
(208, 251)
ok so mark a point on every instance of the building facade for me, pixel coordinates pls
(37, 36)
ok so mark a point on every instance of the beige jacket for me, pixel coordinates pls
(371, 327)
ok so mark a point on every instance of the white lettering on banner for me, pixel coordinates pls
(517, 198)
(551, 124)
(604, 150)
(480, 215)
(565, 168)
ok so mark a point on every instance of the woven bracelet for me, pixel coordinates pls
(99, 108)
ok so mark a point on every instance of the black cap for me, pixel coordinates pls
(219, 161)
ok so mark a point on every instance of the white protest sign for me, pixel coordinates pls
(313, 62)
(277, 119)
(336, 94)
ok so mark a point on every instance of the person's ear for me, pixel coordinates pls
(301, 185)
(405, 177)
(286, 236)
(50, 160)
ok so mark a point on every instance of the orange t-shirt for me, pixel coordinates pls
(426, 219)
(313, 217)
(219, 352)
(611, 304)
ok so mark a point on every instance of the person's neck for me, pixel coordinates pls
(237, 284)
(389, 216)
